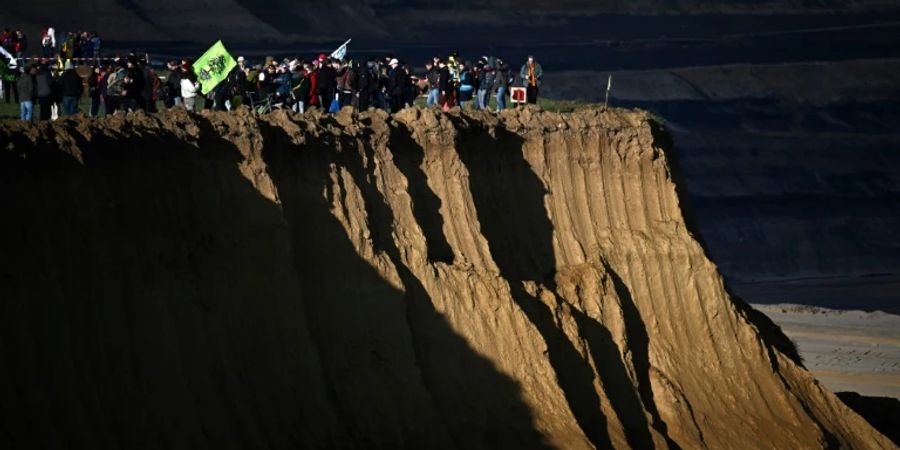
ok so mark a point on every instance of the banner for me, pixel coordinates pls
(341, 51)
(213, 67)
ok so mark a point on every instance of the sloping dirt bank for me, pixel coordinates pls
(421, 281)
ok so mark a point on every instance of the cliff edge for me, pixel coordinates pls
(425, 280)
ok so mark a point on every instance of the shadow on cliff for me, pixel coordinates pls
(426, 204)
(148, 304)
(883, 413)
(509, 198)
(408, 340)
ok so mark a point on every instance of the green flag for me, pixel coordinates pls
(213, 67)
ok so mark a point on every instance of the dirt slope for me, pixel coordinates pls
(422, 281)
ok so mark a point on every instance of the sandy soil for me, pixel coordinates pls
(846, 350)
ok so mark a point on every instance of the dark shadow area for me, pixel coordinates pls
(150, 297)
(409, 157)
(509, 199)
(772, 334)
(639, 344)
(831, 441)
(146, 303)
(442, 406)
(883, 413)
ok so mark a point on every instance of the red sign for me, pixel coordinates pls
(517, 95)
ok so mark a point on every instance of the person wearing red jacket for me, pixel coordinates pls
(6, 39)
(313, 77)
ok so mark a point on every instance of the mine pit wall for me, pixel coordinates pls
(422, 281)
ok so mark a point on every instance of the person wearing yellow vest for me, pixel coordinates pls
(532, 76)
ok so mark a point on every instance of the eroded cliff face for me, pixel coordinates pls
(425, 280)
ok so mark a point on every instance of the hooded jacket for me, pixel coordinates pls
(397, 82)
(502, 76)
(25, 87)
(43, 83)
(72, 86)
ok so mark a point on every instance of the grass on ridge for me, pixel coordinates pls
(11, 110)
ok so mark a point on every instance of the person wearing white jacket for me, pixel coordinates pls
(189, 87)
(48, 43)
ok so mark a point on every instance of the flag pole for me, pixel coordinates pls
(608, 87)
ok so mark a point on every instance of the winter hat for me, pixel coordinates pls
(394, 62)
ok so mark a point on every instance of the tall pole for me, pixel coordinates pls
(608, 87)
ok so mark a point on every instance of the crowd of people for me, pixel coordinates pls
(54, 86)
(66, 45)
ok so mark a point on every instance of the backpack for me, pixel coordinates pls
(489, 78)
(347, 81)
(115, 83)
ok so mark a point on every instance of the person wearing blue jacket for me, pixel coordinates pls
(283, 83)
(466, 85)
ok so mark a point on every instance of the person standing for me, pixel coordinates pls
(327, 84)
(189, 88)
(466, 85)
(312, 73)
(115, 86)
(396, 85)
(501, 83)
(95, 82)
(20, 44)
(411, 87)
(532, 76)
(445, 83)
(9, 76)
(265, 87)
(96, 42)
(173, 84)
(48, 43)
(25, 89)
(486, 83)
(134, 83)
(433, 78)
(43, 88)
(367, 85)
(346, 84)
(72, 88)
(299, 89)
(151, 88)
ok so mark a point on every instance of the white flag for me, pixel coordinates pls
(341, 51)
(11, 58)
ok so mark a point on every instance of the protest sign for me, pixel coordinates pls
(213, 67)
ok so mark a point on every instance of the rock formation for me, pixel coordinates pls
(427, 280)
